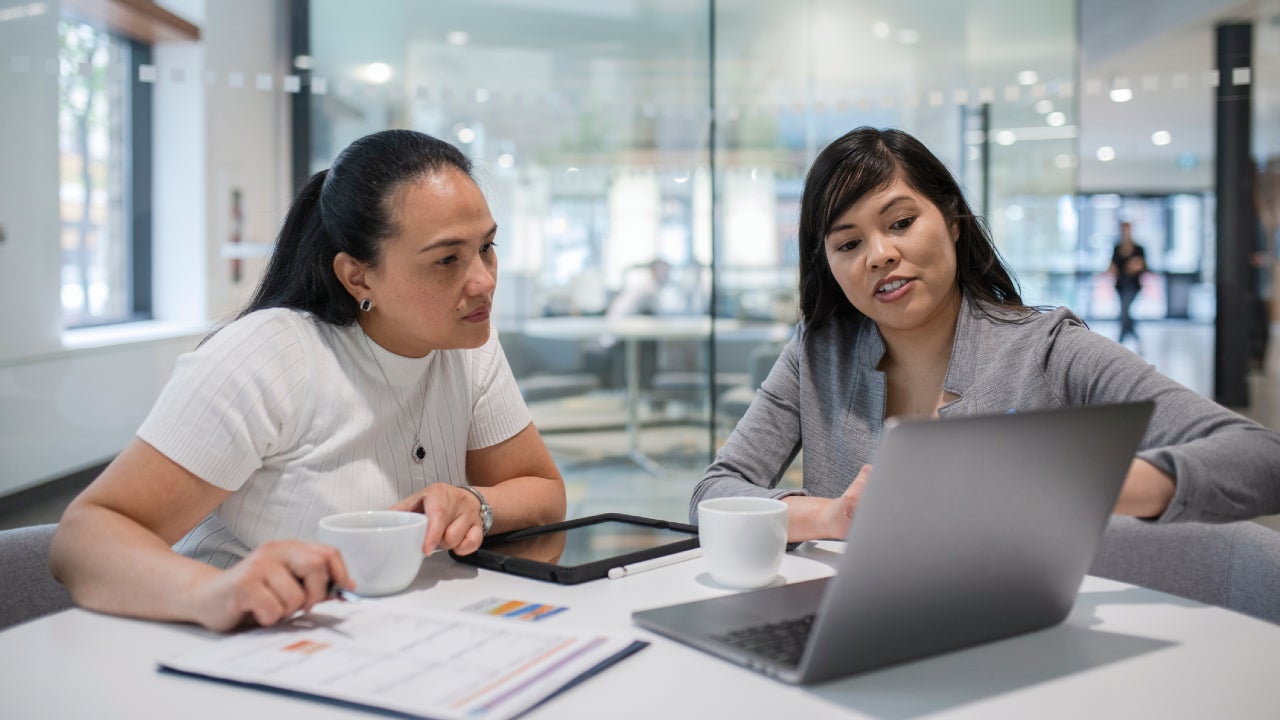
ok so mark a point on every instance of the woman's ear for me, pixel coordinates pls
(955, 231)
(353, 275)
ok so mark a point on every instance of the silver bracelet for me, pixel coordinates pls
(486, 511)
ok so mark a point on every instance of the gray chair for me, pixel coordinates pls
(547, 369)
(28, 590)
(733, 403)
(1231, 565)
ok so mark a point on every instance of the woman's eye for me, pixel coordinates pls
(902, 224)
(488, 246)
(447, 260)
(848, 245)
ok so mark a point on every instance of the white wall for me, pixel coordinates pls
(29, 295)
(70, 401)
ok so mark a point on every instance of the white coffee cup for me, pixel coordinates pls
(743, 539)
(381, 548)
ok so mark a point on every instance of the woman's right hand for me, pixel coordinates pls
(272, 583)
(838, 513)
(811, 518)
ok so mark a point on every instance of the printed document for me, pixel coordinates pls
(432, 664)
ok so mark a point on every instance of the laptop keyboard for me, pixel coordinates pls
(783, 641)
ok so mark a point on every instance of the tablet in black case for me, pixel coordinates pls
(576, 551)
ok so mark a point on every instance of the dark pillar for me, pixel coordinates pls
(299, 19)
(1236, 220)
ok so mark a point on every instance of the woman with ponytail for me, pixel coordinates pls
(364, 374)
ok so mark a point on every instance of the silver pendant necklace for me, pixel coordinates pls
(418, 453)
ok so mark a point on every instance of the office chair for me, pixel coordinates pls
(28, 590)
(733, 403)
(1232, 565)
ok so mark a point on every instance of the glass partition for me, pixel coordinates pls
(639, 153)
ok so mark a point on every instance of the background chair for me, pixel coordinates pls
(733, 402)
(1232, 565)
(547, 369)
(27, 589)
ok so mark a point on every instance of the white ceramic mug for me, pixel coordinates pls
(381, 548)
(743, 539)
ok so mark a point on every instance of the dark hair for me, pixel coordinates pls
(347, 208)
(867, 160)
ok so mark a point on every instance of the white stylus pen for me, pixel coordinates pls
(637, 567)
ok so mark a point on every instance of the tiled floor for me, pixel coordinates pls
(585, 437)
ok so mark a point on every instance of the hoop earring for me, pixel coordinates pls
(366, 304)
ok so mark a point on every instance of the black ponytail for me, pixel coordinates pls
(347, 208)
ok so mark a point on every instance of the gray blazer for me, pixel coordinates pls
(824, 394)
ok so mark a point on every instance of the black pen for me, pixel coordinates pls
(333, 592)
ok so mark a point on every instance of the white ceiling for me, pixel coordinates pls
(1165, 51)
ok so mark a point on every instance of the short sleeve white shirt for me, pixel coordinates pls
(299, 419)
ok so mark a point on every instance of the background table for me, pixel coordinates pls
(1124, 652)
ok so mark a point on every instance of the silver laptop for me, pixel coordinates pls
(970, 530)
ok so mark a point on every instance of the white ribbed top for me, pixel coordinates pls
(295, 418)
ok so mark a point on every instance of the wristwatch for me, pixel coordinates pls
(486, 511)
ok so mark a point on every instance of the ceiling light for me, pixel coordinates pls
(457, 37)
(377, 73)
(1063, 161)
(482, 95)
(1044, 106)
(506, 161)
(1161, 137)
(1056, 119)
(1106, 153)
(1121, 95)
(1006, 137)
(881, 30)
(303, 62)
(465, 134)
(1028, 77)
(908, 37)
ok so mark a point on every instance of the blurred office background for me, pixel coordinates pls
(148, 152)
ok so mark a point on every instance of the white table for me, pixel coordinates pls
(1124, 652)
(630, 331)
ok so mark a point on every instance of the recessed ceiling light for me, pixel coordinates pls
(377, 73)
(1106, 153)
(1161, 137)
(506, 161)
(881, 30)
(1056, 119)
(1028, 77)
(457, 37)
(1063, 161)
(465, 134)
(1044, 106)
(1121, 95)
(1006, 137)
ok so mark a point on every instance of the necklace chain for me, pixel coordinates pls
(418, 453)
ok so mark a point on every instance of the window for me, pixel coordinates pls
(103, 120)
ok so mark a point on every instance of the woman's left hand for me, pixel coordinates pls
(453, 518)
